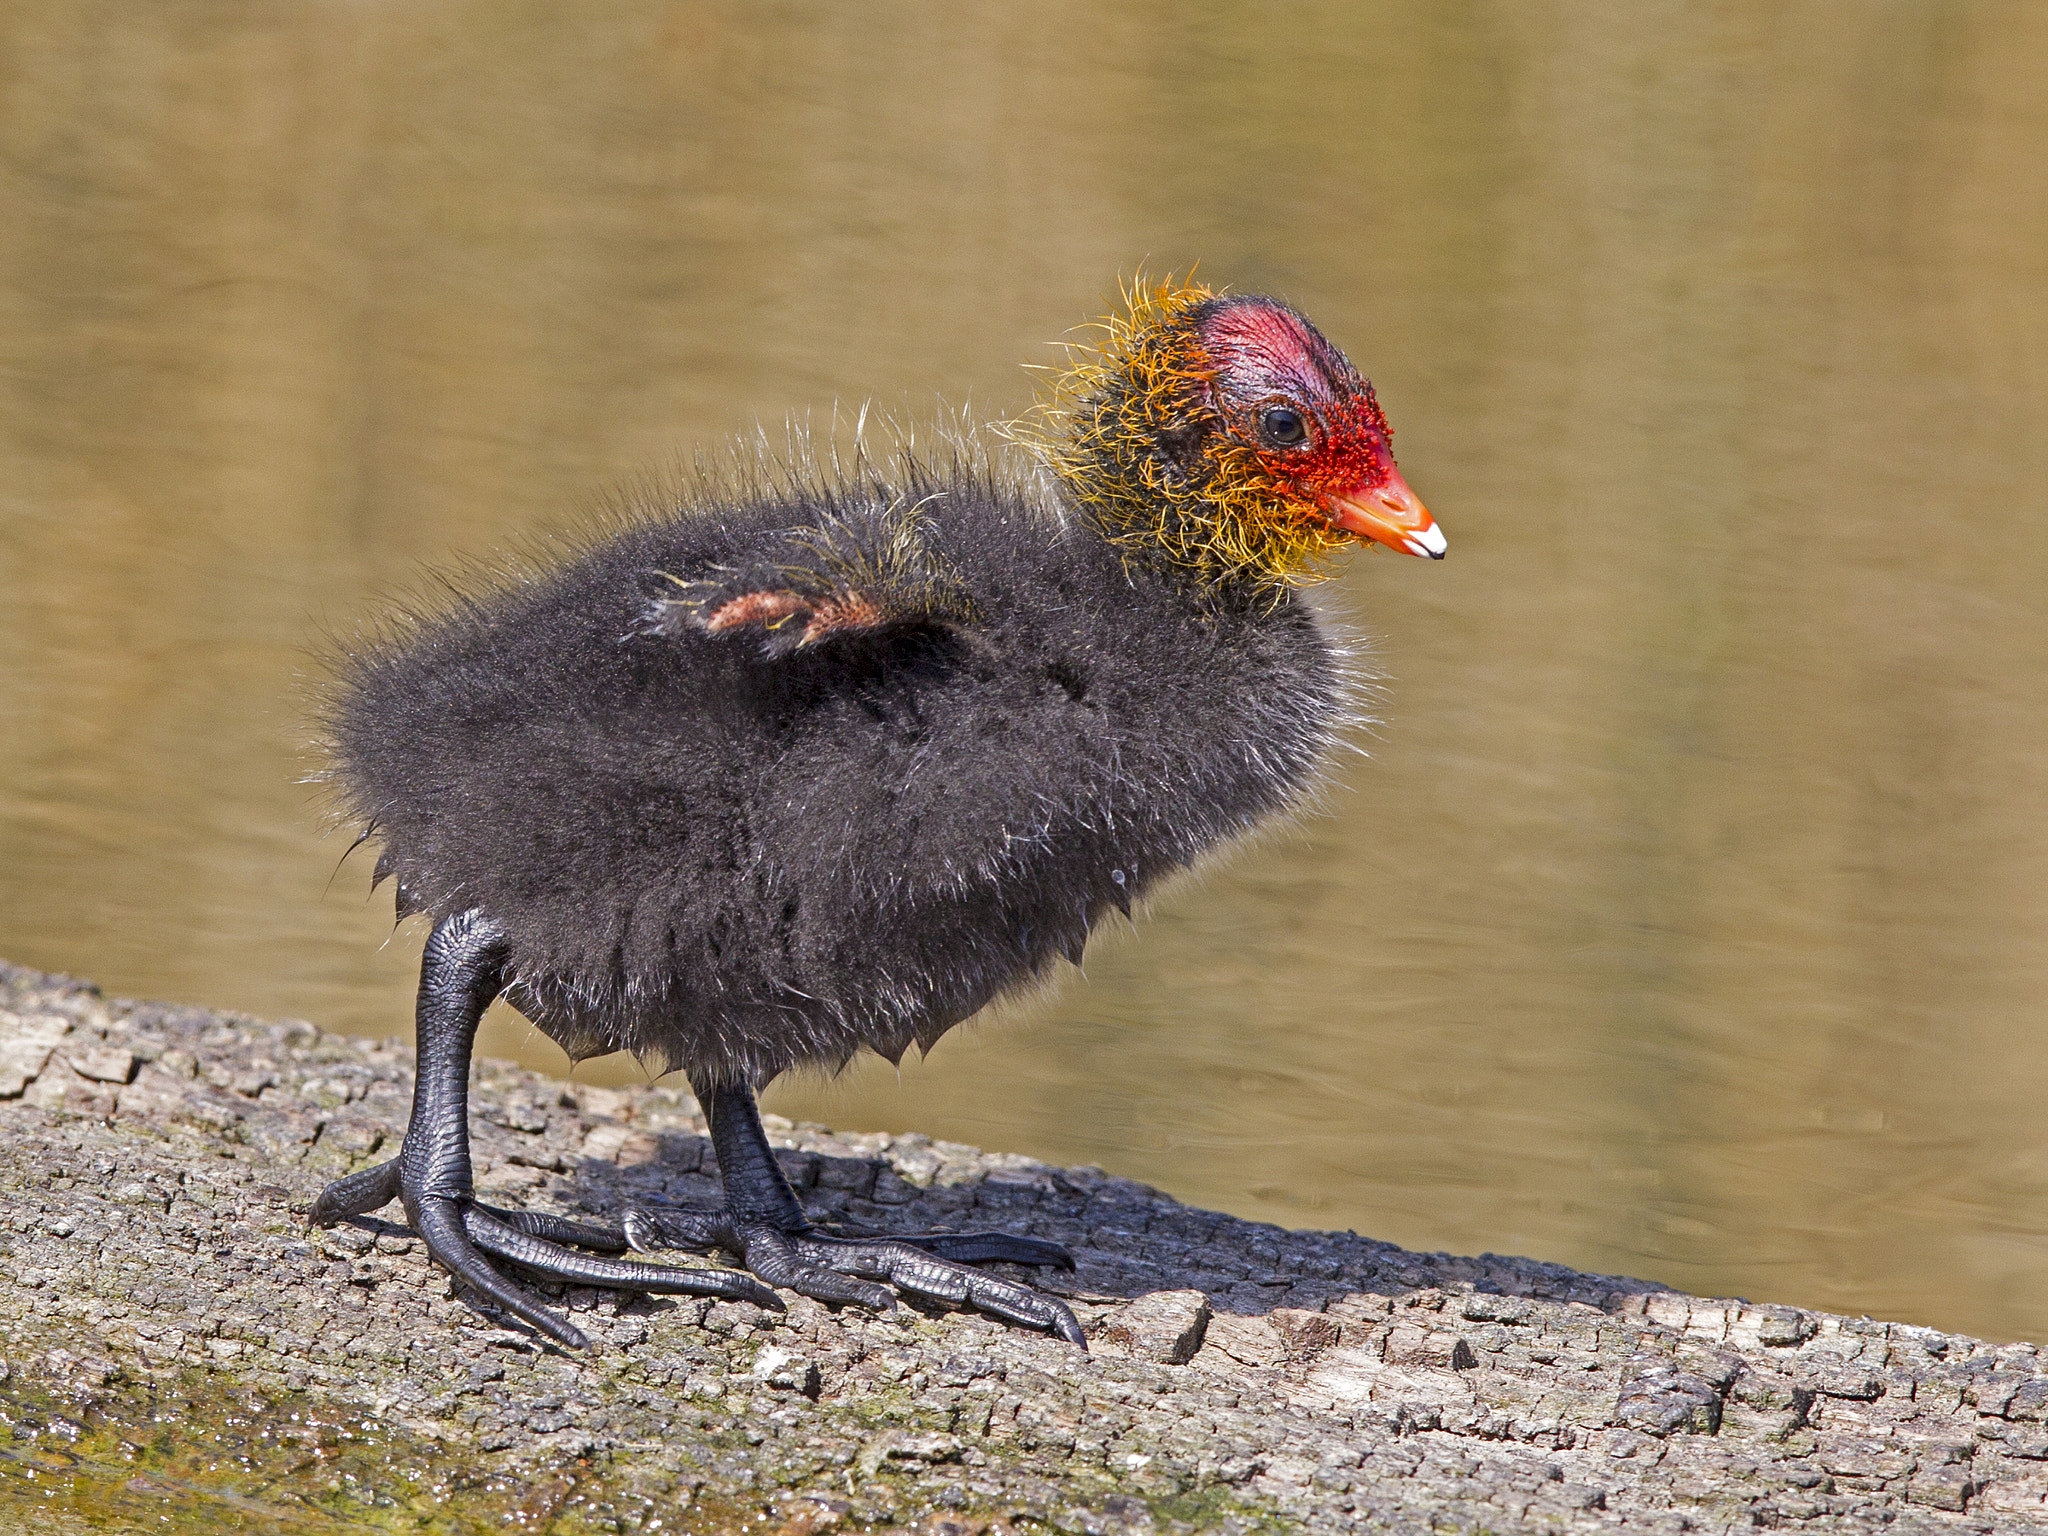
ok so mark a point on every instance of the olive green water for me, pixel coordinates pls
(1690, 918)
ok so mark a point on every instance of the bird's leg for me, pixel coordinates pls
(461, 973)
(765, 1225)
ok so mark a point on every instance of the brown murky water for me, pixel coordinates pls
(1691, 917)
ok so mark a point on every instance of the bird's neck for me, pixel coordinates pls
(1167, 490)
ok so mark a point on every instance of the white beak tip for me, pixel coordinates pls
(1429, 542)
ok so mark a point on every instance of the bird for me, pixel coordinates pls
(807, 763)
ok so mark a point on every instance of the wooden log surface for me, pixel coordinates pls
(182, 1352)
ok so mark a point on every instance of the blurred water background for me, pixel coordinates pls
(1690, 918)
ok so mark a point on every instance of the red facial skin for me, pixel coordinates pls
(1266, 355)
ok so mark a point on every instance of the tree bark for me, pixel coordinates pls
(182, 1351)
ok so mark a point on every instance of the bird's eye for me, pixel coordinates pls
(1282, 425)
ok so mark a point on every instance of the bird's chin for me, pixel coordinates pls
(1388, 513)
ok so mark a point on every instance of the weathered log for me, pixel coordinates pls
(180, 1346)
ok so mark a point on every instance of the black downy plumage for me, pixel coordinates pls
(762, 780)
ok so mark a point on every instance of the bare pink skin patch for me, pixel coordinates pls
(848, 610)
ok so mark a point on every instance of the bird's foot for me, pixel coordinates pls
(840, 1270)
(460, 1231)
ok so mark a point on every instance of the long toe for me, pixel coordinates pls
(559, 1229)
(775, 1256)
(442, 1225)
(649, 1228)
(989, 1247)
(914, 1268)
(552, 1261)
(360, 1193)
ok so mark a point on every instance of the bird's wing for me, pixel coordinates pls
(826, 584)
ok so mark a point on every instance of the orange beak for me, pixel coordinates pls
(1391, 514)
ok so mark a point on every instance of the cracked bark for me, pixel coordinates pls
(182, 1351)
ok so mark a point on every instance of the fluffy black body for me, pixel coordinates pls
(735, 853)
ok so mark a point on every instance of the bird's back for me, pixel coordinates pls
(735, 856)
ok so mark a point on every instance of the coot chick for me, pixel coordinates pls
(771, 777)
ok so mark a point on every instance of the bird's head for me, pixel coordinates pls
(1226, 432)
